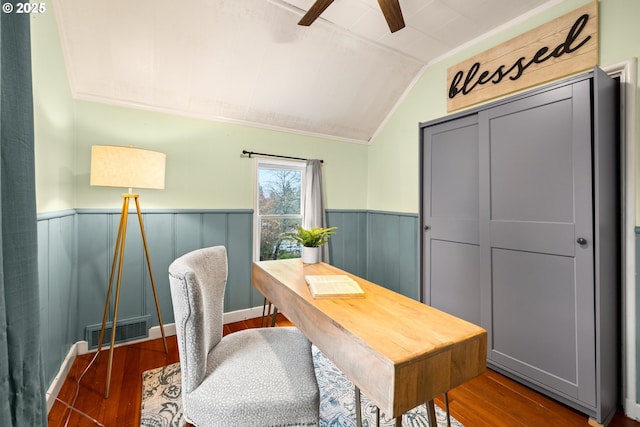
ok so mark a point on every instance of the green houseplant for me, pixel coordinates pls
(311, 239)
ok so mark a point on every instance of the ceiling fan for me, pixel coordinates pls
(390, 9)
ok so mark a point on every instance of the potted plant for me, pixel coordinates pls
(311, 240)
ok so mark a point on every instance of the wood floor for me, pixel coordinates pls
(490, 400)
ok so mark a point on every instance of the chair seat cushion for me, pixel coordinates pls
(257, 377)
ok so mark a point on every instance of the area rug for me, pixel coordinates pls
(162, 400)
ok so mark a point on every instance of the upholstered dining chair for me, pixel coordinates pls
(254, 377)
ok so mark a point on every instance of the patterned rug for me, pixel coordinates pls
(162, 402)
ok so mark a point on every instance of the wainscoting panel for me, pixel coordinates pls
(58, 288)
(392, 252)
(348, 247)
(95, 252)
(240, 249)
(169, 235)
(160, 229)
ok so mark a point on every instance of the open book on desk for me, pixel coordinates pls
(336, 286)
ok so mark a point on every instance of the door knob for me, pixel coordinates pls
(582, 241)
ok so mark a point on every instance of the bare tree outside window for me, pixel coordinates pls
(279, 209)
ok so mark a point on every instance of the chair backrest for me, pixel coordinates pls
(197, 281)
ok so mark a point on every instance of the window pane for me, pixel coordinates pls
(272, 245)
(279, 191)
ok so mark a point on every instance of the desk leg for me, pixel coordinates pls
(446, 406)
(358, 408)
(265, 312)
(399, 421)
(431, 410)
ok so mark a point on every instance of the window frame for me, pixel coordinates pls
(268, 163)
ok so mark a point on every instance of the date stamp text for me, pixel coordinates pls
(24, 8)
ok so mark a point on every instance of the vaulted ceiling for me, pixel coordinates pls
(247, 61)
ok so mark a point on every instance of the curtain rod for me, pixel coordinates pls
(248, 154)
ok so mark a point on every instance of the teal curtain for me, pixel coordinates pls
(22, 390)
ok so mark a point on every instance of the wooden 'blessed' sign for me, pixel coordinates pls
(564, 46)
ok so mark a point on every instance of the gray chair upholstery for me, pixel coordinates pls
(254, 377)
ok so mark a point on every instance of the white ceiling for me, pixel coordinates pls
(248, 61)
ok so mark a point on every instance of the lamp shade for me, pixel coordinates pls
(127, 167)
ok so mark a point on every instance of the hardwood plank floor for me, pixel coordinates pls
(490, 400)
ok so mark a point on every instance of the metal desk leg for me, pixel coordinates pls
(265, 311)
(358, 408)
(446, 407)
(431, 410)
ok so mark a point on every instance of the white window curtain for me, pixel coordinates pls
(313, 205)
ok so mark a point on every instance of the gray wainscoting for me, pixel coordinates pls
(76, 251)
(169, 235)
(393, 252)
(59, 297)
(379, 246)
(348, 247)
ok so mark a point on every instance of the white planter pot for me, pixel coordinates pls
(310, 255)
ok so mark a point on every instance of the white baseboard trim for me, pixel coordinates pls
(632, 409)
(82, 347)
(67, 363)
(240, 315)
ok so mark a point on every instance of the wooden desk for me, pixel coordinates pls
(399, 352)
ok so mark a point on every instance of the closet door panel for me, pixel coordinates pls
(531, 163)
(450, 206)
(537, 187)
(534, 317)
(454, 266)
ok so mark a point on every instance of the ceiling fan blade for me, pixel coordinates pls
(316, 10)
(392, 13)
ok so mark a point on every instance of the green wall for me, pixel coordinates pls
(393, 155)
(53, 118)
(204, 167)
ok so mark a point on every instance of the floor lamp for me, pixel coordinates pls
(127, 167)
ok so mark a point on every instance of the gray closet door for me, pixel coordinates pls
(450, 208)
(536, 238)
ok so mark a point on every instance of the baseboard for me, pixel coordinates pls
(632, 409)
(67, 363)
(155, 333)
(82, 347)
(240, 315)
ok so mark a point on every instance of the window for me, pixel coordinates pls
(278, 207)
